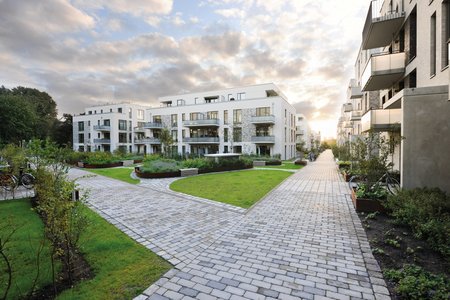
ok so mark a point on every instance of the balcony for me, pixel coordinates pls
(153, 125)
(102, 127)
(201, 123)
(381, 26)
(102, 141)
(348, 124)
(151, 140)
(201, 140)
(381, 120)
(139, 129)
(382, 71)
(263, 119)
(266, 139)
(354, 90)
(356, 115)
(348, 107)
(300, 132)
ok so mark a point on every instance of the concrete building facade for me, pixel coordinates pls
(253, 119)
(405, 54)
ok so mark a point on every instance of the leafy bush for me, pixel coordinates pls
(160, 166)
(427, 212)
(344, 164)
(415, 283)
(371, 192)
(100, 158)
(151, 157)
(199, 163)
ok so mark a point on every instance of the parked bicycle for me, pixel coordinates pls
(387, 181)
(9, 181)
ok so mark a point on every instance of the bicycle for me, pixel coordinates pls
(10, 182)
(387, 181)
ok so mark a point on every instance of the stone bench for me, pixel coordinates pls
(188, 172)
(259, 163)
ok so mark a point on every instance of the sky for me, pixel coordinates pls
(85, 52)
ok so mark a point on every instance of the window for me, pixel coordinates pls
(213, 99)
(196, 116)
(180, 102)
(157, 119)
(183, 117)
(122, 125)
(210, 115)
(90, 112)
(237, 134)
(262, 130)
(412, 34)
(130, 115)
(237, 116)
(225, 135)
(81, 126)
(183, 133)
(445, 32)
(101, 111)
(140, 114)
(175, 135)
(413, 79)
(433, 45)
(173, 120)
(196, 101)
(225, 117)
(241, 96)
(263, 111)
(107, 122)
(81, 138)
(110, 110)
(119, 110)
(230, 96)
(122, 137)
(89, 123)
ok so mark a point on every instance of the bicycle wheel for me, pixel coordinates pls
(8, 182)
(393, 185)
(27, 180)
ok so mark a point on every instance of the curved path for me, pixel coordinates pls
(302, 241)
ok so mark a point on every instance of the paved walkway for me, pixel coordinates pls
(302, 241)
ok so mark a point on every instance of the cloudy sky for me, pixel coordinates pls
(85, 52)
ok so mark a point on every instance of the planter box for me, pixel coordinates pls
(101, 166)
(80, 164)
(188, 172)
(367, 205)
(273, 163)
(347, 176)
(222, 169)
(137, 161)
(155, 175)
(259, 163)
(301, 162)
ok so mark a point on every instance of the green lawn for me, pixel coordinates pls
(122, 267)
(116, 173)
(22, 248)
(242, 188)
(285, 165)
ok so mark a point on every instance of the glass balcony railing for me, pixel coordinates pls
(263, 119)
(102, 127)
(383, 70)
(102, 141)
(203, 122)
(381, 120)
(151, 140)
(201, 140)
(270, 139)
(153, 125)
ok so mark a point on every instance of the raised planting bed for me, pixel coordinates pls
(300, 162)
(222, 169)
(367, 205)
(259, 163)
(100, 166)
(273, 163)
(188, 172)
(156, 175)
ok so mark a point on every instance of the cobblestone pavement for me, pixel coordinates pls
(302, 241)
(18, 193)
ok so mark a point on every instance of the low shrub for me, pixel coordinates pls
(427, 212)
(101, 158)
(344, 164)
(199, 163)
(371, 192)
(160, 166)
(415, 283)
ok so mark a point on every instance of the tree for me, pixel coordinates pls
(17, 119)
(63, 131)
(166, 140)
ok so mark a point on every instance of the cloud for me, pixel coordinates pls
(231, 13)
(133, 7)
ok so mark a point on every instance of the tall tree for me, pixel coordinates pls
(62, 131)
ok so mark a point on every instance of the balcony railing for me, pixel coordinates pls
(203, 122)
(348, 124)
(153, 125)
(382, 23)
(383, 70)
(354, 90)
(102, 127)
(201, 140)
(381, 120)
(263, 119)
(102, 141)
(151, 140)
(348, 107)
(266, 139)
(356, 115)
(139, 129)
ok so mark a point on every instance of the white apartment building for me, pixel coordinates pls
(107, 127)
(254, 119)
(404, 57)
(303, 131)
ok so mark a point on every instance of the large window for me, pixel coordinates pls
(225, 135)
(241, 96)
(263, 111)
(262, 131)
(122, 137)
(196, 116)
(173, 120)
(237, 116)
(412, 34)
(81, 126)
(445, 32)
(81, 138)
(210, 115)
(156, 119)
(140, 114)
(122, 125)
(225, 117)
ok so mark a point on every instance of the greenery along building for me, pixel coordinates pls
(252, 119)
(401, 88)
